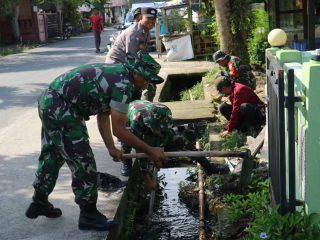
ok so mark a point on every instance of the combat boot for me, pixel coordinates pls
(91, 218)
(40, 206)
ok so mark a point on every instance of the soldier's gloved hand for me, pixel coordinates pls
(116, 154)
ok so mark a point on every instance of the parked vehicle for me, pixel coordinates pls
(67, 31)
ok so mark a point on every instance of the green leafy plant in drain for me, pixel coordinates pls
(195, 93)
(269, 224)
(233, 141)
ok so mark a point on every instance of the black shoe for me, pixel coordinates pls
(98, 51)
(42, 208)
(219, 168)
(94, 220)
(126, 167)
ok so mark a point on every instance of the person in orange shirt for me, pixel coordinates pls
(97, 27)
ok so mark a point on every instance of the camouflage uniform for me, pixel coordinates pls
(240, 73)
(237, 71)
(63, 108)
(152, 123)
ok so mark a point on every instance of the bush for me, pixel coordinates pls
(259, 38)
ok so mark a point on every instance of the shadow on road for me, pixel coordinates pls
(12, 96)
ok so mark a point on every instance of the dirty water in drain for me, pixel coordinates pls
(172, 220)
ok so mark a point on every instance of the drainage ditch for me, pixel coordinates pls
(176, 206)
(176, 84)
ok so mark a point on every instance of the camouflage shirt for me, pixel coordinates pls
(95, 88)
(240, 72)
(151, 122)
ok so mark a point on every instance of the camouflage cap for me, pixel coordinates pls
(144, 65)
(218, 56)
(136, 12)
(160, 120)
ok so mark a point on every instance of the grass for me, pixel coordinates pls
(13, 49)
(195, 93)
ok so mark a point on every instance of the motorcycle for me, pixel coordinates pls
(112, 39)
(67, 31)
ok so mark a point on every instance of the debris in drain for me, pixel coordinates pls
(109, 183)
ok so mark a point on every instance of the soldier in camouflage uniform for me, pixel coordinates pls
(238, 71)
(94, 89)
(153, 123)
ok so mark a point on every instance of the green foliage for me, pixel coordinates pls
(257, 184)
(240, 17)
(211, 181)
(291, 226)
(209, 77)
(5, 8)
(196, 92)
(98, 3)
(215, 33)
(204, 142)
(266, 222)
(16, 49)
(249, 205)
(232, 141)
(258, 41)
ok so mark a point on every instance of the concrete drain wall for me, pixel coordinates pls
(175, 84)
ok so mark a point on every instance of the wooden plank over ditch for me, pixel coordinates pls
(190, 111)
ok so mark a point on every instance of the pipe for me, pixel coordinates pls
(243, 154)
(202, 232)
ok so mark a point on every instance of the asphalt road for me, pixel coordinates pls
(22, 77)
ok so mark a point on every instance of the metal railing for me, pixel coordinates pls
(276, 132)
(278, 140)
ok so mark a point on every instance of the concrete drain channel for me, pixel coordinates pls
(159, 215)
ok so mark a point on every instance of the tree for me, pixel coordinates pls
(234, 23)
(11, 9)
(222, 13)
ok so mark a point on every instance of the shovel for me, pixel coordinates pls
(152, 196)
(198, 156)
(241, 154)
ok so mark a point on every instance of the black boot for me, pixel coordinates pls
(219, 168)
(91, 218)
(126, 167)
(42, 207)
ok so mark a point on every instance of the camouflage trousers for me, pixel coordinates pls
(65, 139)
